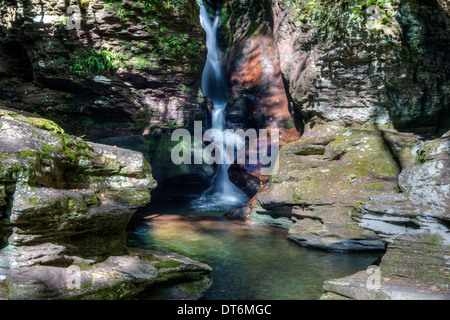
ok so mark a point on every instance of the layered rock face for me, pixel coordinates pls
(64, 206)
(323, 180)
(258, 96)
(103, 68)
(130, 68)
(365, 87)
(414, 225)
(388, 65)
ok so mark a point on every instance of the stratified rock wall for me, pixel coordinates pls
(394, 71)
(414, 226)
(259, 99)
(364, 90)
(129, 65)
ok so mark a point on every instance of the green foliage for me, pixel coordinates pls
(361, 9)
(184, 89)
(124, 10)
(63, 22)
(176, 45)
(84, 3)
(173, 4)
(337, 16)
(167, 45)
(351, 178)
(142, 61)
(120, 8)
(95, 61)
(223, 15)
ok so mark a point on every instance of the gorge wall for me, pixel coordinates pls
(127, 67)
(366, 89)
(361, 98)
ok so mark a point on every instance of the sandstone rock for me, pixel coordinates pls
(142, 87)
(64, 206)
(61, 189)
(313, 195)
(414, 226)
(118, 277)
(428, 182)
(361, 74)
(258, 95)
(361, 287)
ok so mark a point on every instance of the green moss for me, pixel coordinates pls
(28, 154)
(39, 123)
(33, 201)
(119, 290)
(422, 156)
(351, 178)
(422, 259)
(133, 197)
(169, 264)
(193, 288)
(74, 148)
(296, 198)
(359, 204)
(13, 172)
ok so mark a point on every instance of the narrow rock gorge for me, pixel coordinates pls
(92, 93)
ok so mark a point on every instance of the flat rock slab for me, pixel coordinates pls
(361, 286)
(118, 277)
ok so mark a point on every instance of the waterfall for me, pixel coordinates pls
(214, 86)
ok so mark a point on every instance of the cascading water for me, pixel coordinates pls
(214, 86)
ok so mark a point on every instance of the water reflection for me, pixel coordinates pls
(249, 262)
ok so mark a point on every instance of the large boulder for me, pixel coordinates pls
(65, 204)
(118, 277)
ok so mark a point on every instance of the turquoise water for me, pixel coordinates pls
(249, 262)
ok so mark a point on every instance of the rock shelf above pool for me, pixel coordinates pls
(64, 206)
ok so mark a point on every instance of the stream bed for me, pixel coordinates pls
(249, 262)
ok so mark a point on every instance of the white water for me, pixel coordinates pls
(222, 191)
